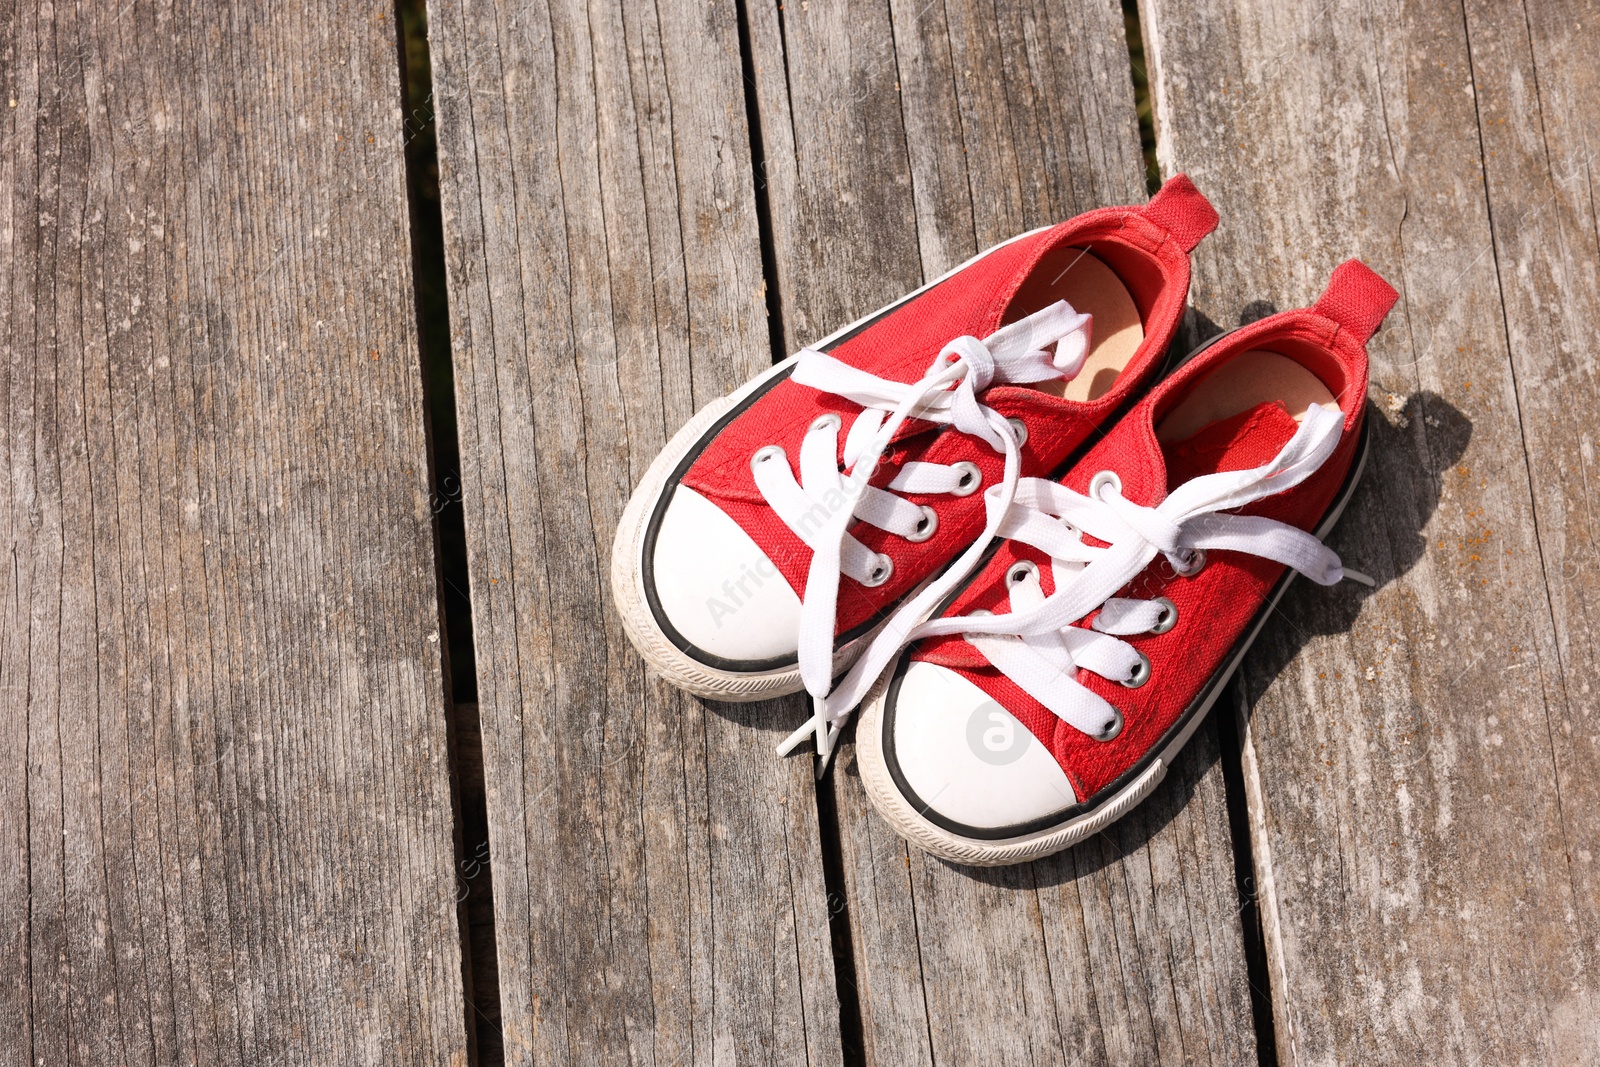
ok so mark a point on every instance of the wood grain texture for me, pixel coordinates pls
(900, 139)
(657, 871)
(1424, 803)
(226, 829)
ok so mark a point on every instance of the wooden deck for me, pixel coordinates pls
(249, 749)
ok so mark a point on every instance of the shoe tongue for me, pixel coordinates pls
(1249, 439)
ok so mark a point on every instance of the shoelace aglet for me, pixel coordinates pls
(816, 726)
(1365, 579)
(794, 740)
(826, 734)
(827, 742)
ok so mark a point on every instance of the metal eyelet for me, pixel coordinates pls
(971, 478)
(1140, 673)
(925, 526)
(880, 573)
(1020, 572)
(830, 421)
(1019, 428)
(1168, 617)
(1111, 729)
(1104, 480)
(764, 454)
(1195, 564)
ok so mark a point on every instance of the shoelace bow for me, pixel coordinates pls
(1036, 643)
(821, 507)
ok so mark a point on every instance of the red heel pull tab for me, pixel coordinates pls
(1357, 299)
(1182, 210)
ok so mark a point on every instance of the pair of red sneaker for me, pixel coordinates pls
(1036, 578)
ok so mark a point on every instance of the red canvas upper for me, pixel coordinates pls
(1216, 605)
(1148, 247)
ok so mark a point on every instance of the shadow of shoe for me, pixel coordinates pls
(1381, 531)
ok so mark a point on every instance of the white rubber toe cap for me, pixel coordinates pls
(969, 759)
(717, 588)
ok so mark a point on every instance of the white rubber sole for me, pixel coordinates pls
(660, 653)
(927, 835)
(627, 574)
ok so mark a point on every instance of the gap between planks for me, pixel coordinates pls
(474, 877)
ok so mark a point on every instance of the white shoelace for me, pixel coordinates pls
(821, 507)
(1036, 643)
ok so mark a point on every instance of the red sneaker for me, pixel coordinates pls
(786, 521)
(1054, 688)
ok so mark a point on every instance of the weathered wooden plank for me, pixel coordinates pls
(1539, 111)
(658, 877)
(1420, 763)
(899, 139)
(227, 822)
